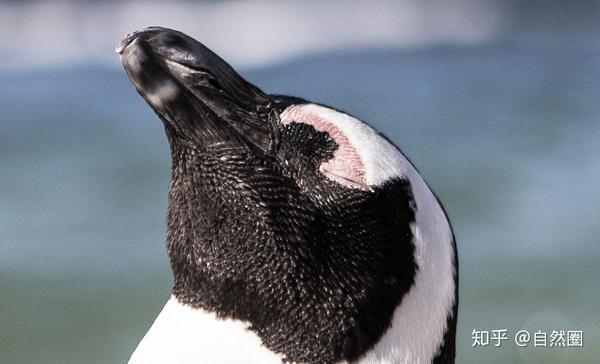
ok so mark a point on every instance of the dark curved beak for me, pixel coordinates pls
(197, 94)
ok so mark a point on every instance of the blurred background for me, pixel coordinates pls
(496, 102)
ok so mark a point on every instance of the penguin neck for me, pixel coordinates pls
(196, 236)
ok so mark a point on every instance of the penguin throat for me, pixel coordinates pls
(346, 166)
(311, 271)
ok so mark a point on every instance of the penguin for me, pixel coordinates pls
(296, 233)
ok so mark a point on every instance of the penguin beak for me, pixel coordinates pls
(197, 94)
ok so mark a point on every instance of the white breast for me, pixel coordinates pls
(185, 335)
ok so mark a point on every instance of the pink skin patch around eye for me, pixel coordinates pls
(346, 166)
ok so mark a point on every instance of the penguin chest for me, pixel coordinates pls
(181, 334)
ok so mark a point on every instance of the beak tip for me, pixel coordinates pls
(127, 40)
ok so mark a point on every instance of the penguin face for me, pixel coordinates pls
(290, 215)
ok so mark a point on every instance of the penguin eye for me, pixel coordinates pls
(345, 166)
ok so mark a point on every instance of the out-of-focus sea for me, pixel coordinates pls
(508, 136)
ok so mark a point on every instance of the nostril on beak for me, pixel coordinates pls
(130, 37)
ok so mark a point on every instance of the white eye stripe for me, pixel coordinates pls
(419, 322)
(373, 159)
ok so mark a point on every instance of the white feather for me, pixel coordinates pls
(182, 334)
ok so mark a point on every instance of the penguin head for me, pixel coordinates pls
(208, 107)
(288, 214)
